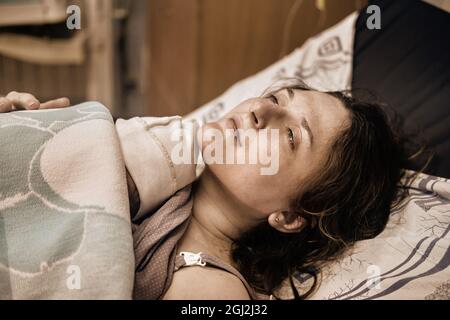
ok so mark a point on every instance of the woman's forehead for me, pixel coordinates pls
(324, 112)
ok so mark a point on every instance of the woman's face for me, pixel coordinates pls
(307, 123)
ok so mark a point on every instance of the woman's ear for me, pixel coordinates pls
(287, 222)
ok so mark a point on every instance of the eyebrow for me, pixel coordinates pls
(290, 93)
(304, 123)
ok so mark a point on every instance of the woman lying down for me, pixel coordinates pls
(232, 232)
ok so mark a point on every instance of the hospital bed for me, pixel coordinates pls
(406, 63)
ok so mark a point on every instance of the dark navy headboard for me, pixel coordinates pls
(407, 64)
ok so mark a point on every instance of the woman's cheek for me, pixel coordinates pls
(260, 192)
(206, 134)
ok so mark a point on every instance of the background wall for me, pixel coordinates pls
(198, 48)
(156, 57)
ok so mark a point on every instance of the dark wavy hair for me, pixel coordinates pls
(349, 200)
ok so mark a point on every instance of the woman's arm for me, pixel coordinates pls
(24, 101)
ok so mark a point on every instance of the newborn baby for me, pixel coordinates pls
(149, 148)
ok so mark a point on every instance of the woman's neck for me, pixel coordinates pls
(217, 220)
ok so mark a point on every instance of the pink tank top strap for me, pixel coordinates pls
(188, 259)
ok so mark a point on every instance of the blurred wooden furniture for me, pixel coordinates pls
(30, 12)
(79, 65)
(43, 51)
(101, 75)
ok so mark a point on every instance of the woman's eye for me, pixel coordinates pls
(273, 98)
(291, 138)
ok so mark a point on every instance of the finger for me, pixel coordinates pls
(23, 101)
(57, 103)
(5, 105)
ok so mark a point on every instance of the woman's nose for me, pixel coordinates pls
(261, 113)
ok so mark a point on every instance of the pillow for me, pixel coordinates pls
(410, 259)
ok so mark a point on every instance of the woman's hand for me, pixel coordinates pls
(25, 101)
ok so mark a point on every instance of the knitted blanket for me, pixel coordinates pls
(64, 215)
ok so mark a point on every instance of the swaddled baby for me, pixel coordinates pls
(161, 156)
(160, 153)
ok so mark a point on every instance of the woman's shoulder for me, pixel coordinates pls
(161, 155)
(205, 283)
